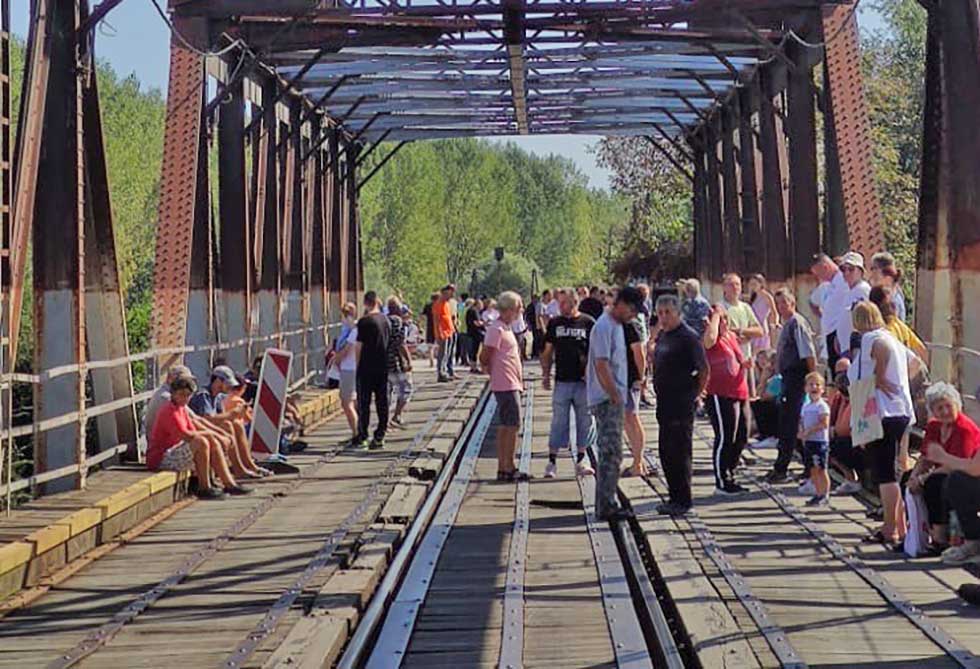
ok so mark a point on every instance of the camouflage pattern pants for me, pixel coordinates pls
(609, 443)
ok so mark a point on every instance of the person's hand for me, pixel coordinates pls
(615, 399)
(546, 382)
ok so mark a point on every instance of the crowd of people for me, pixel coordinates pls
(838, 395)
(754, 366)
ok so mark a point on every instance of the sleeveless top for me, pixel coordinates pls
(897, 371)
(761, 307)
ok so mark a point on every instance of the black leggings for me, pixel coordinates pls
(766, 416)
(932, 494)
(726, 415)
(367, 385)
(962, 493)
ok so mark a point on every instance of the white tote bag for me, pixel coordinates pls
(917, 538)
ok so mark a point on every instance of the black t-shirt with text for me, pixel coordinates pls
(373, 333)
(678, 356)
(472, 329)
(591, 306)
(570, 338)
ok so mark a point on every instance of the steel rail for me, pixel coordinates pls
(774, 635)
(628, 640)
(667, 645)
(106, 632)
(512, 638)
(927, 625)
(418, 554)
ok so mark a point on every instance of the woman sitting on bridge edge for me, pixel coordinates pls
(174, 445)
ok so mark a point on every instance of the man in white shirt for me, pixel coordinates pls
(840, 295)
(852, 267)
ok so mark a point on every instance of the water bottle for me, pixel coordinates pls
(955, 531)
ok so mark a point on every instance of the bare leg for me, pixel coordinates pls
(506, 445)
(636, 438)
(351, 413)
(227, 443)
(202, 461)
(241, 445)
(894, 524)
(220, 465)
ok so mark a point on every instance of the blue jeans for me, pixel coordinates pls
(569, 395)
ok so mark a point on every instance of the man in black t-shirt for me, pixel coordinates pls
(592, 305)
(567, 342)
(680, 374)
(373, 333)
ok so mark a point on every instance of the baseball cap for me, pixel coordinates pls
(180, 370)
(226, 374)
(852, 258)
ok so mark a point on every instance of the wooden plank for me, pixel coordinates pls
(403, 503)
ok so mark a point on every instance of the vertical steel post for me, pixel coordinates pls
(105, 315)
(58, 251)
(343, 228)
(268, 230)
(732, 249)
(331, 198)
(7, 360)
(948, 277)
(354, 277)
(700, 212)
(804, 207)
(200, 317)
(716, 228)
(773, 148)
(295, 242)
(235, 235)
(753, 246)
(319, 303)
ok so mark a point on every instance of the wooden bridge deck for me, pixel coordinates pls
(829, 615)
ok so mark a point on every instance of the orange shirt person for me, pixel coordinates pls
(442, 319)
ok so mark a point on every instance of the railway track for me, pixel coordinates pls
(639, 633)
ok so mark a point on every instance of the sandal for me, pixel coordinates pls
(505, 477)
(520, 476)
(875, 537)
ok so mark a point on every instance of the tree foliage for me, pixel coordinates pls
(438, 210)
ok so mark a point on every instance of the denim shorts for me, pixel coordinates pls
(632, 400)
(569, 395)
(508, 408)
(815, 454)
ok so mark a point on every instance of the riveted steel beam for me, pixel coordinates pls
(732, 214)
(848, 119)
(750, 176)
(774, 171)
(804, 209)
(178, 197)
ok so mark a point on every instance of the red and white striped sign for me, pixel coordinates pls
(270, 401)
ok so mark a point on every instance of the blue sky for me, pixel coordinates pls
(135, 40)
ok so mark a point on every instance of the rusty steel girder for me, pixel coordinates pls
(178, 191)
(849, 118)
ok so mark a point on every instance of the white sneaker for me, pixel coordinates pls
(550, 470)
(849, 488)
(806, 488)
(966, 553)
(584, 469)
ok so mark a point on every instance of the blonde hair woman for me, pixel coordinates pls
(883, 358)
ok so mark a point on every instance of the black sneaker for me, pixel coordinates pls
(619, 515)
(210, 493)
(777, 477)
(360, 444)
(376, 444)
(736, 488)
(297, 446)
(237, 490)
(672, 509)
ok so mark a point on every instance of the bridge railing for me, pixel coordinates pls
(37, 427)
